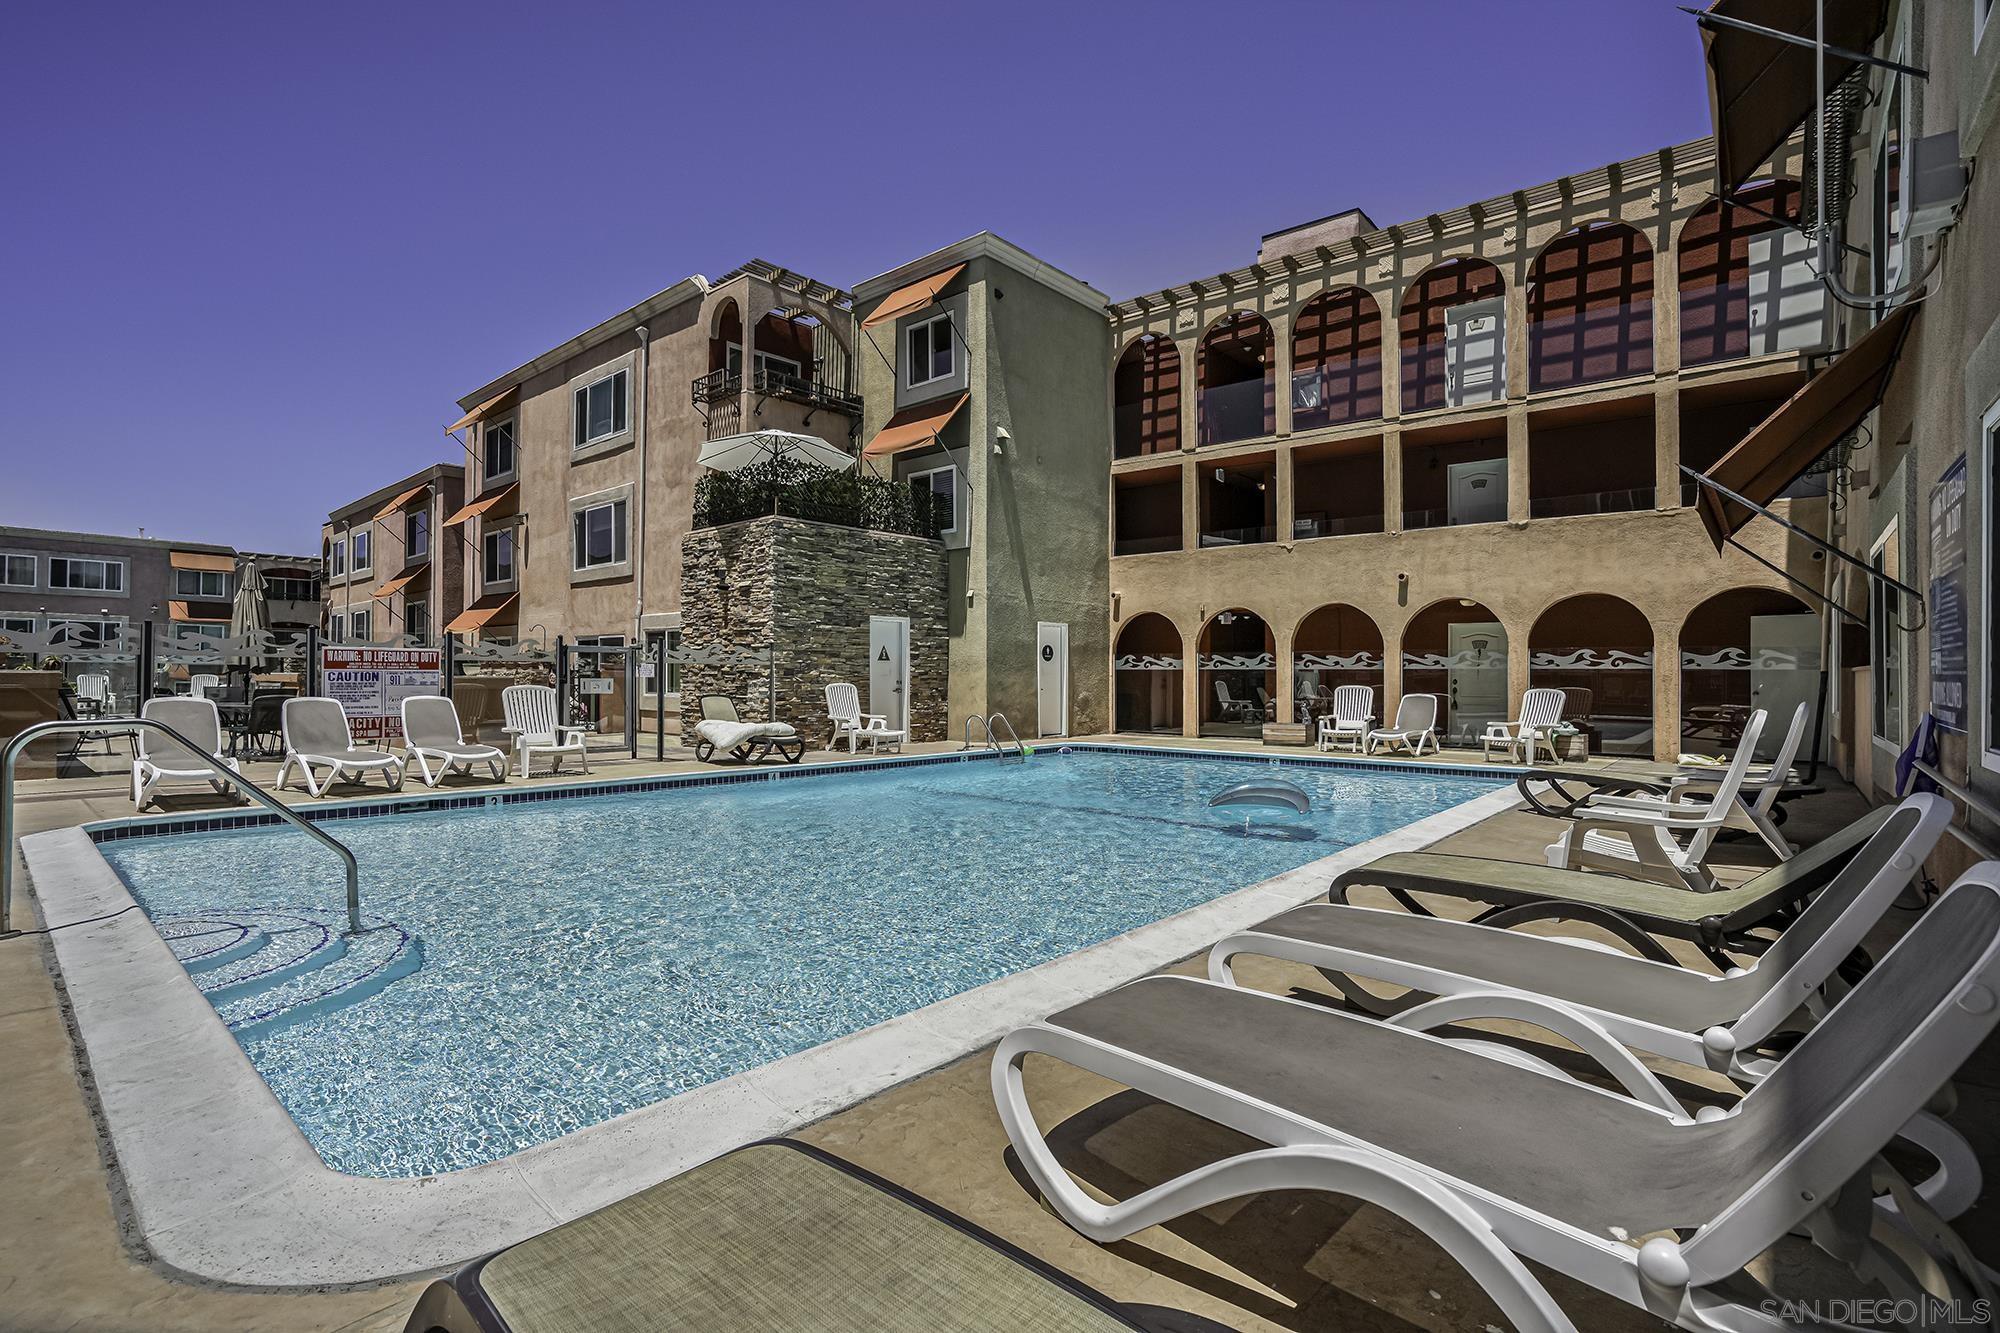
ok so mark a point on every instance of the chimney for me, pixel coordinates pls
(1308, 236)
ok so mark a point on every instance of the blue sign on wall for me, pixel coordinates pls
(1947, 598)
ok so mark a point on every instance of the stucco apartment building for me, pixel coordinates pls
(395, 569)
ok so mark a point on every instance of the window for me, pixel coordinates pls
(201, 631)
(1889, 205)
(359, 626)
(416, 534)
(282, 588)
(86, 575)
(336, 558)
(76, 632)
(941, 484)
(732, 361)
(209, 584)
(364, 556)
(1886, 639)
(1989, 573)
(336, 628)
(417, 620)
(17, 624)
(598, 535)
(600, 408)
(17, 571)
(499, 441)
(498, 563)
(673, 666)
(928, 348)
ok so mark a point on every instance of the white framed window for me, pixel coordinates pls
(205, 630)
(19, 571)
(80, 574)
(286, 588)
(208, 584)
(359, 626)
(671, 671)
(1887, 646)
(416, 534)
(336, 628)
(496, 563)
(601, 408)
(417, 620)
(927, 351)
(17, 624)
(336, 557)
(732, 361)
(942, 483)
(496, 438)
(86, 631)
(1989, 574)
(597, 535)
(364, 551)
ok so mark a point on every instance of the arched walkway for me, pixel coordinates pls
(1239, 664)
(1238, 380)
(1598, 650)
(1148, 684)
(1336, 359)
(1423, 329)
(1590, 307)
(1146, 398)
(1747, 282)
(725, 339)
(1745, 649)
(1336, 645)
(1457, 650)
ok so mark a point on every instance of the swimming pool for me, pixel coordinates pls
(537, 968)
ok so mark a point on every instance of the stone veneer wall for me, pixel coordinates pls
(807, 590)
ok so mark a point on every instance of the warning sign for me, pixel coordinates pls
(371, 684)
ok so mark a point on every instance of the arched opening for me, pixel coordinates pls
(1453, 334)
(1238, 380)
(1598, 650)
(1457, 650)
(1590, 307)
(1336, 645)
(1336, 360)
(1748, 285)
(1146, 398)
(1745, 649)
(1238, 664)
(1148, 685)
(725, 340)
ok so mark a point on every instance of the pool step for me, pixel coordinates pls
(266, 968)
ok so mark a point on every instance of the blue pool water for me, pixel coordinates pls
(539, 968)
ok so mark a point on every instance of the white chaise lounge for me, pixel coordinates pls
(155, 759)
(1541, 710)
(532, 720)
(1416, 722)
(843, 710)
(432, 734)
(317, 736)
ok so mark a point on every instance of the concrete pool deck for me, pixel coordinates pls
(935, 1132)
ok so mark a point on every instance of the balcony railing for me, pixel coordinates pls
(772, 382)
(1343, 525)
(1241, 411)
(1240, 536)
(717, 385)
(1414, 519)
(1725, 323)
(1607, 343)
(795, 490)
(1337, 391)
(1147, 545)
(1592, 502)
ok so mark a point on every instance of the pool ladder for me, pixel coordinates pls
(986, 726)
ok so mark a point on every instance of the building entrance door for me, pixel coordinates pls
(1478, 675)
(1051, 679)
(1784, 673)
(889, 669)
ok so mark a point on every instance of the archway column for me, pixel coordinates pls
(1666, 691)
(1190, 506)
(1189, 351)
(1281, 649)
(1285, 504)
(1392, 479)
(1281, 370)
(1519, 504)
(1392, 672)
(1517, 664)
(1190, 684)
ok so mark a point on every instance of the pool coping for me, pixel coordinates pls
(225, 1187)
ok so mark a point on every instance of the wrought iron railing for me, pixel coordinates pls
(847, 499)
(771, 381)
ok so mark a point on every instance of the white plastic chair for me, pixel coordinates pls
(1762, 785)
(1541, 710)
(155, 759)
(316, 734)
(843, 710)
(199, 686)
(1416, 722)
(432, 731)
(1353, 710)
(534, 722)
(96, 687)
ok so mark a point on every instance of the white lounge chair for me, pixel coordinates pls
(1540, 711)
(316, 734)
(155, 759)
(843, 710)
(1632, 1194)
(1231, 707)
(1353, 710)
(432, 732)
(723, 729)
(532, 720)
(1416, 722)
(1757, 797)
(1665, 841)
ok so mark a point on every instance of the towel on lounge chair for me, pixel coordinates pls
(726, 736)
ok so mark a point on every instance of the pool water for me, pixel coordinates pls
(538, 968)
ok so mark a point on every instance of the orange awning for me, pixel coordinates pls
(498, 400)
(199, 613)
(914, 427)
(477, 615)
(906, 300)
(1790, 440)
(482, 504)
(203, 560)
(400, 501)
(401, 581)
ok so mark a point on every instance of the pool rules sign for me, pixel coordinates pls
(371, 684)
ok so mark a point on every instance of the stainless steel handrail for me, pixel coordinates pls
(1001, 718)
(984, 726)
(131, 726)
(1972, 801)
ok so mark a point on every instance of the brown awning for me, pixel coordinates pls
(482, 504)
(914, 427)
(499, 400)
(907, 300)
(1790, 440)
(401, 581)
(199, 613)
(400, 501)
(203, 560)
(477, 615)
(1761, 89)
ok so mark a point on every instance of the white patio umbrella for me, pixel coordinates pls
(247, 615)
(732, 453)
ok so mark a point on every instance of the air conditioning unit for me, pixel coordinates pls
(1938, 177)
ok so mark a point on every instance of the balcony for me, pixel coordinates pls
(816, 390)
(1593, 502)
(1337, 488)
(1335, 392)
(1610, 342)
(1146, 513)
(1240, 411)
(1239, 503)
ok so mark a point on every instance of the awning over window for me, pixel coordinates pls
(914, 427)
(482, 504)
(1760, 89)
(400, 501)
(203, 560)
(199, 613)
(477, 616)
(908, 300)
(505, 398)
(401, 581)
(1790, 440)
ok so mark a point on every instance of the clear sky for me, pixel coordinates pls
(253, 253)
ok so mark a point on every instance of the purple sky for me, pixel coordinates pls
(255, 252)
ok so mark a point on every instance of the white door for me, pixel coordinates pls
(1051, 679)
(1476, 492)
(1787, 301)
(1475, 352)
(1478, 676)
(889, 669)
(1784, 673)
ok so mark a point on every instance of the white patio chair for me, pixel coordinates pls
(843, 710)
(1540, 711)
(155, 759)
(1664, 841)
(96, 687)
(532, 719)
(1757, 798)
(1229, 705)
(199, 686)
(1353, 710)
(432, 732)
(1416, 722)
(317, 735)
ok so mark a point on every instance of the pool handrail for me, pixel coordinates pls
(132, 726)
(992, 741)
